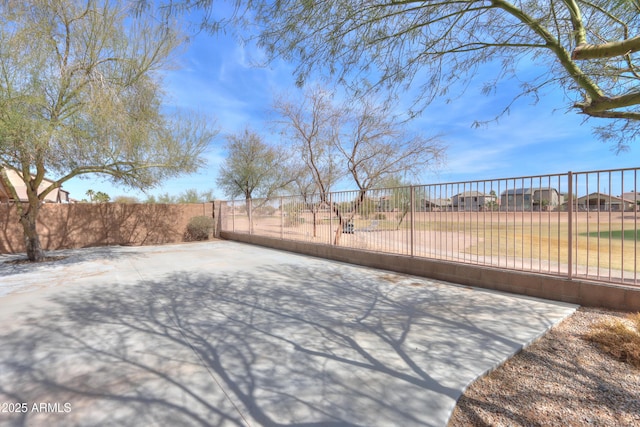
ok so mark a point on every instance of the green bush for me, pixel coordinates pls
(199, 228)
(380, 216)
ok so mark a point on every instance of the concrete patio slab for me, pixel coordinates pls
(227, 334)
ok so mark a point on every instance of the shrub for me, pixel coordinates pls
(619, 337)
(380, 216)
(198, 228)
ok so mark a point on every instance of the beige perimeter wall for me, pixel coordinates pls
(63, 226)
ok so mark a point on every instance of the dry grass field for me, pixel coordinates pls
(607, 241)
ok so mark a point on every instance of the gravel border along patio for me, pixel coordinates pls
(560, 380)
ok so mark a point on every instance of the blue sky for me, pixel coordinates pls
(218, 77)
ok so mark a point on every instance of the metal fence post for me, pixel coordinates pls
(330, 218)
(250, 214)
(412, 209)
(281, 219)
(570, 226)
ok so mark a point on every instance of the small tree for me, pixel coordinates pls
(192, 195)
(361, 142)
(399, 197)
(253, 168)
(81, 94)
(310, 125)
(163, 198)
(375, 147)
(126, 200)
(101, 197)
(307, 189)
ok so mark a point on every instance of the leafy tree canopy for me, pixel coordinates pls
(81, 93)
(588, 48)
(191, 195)
(253, 168)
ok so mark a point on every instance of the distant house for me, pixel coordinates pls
(58, 195)
(604, 202)
(436, 204)
(632, 196)
(472, 201)
(530, 199)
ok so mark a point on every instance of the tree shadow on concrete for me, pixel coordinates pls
(16, 264)
(279, 346)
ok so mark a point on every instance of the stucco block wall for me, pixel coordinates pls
(63, 226)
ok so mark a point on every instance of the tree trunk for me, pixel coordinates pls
(249, 213)
(28, 220)
(314, 213)
(341, 224)
(336, 239)
(404, 214)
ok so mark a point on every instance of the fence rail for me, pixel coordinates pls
(575, 224)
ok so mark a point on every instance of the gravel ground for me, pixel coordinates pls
(560, 380)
